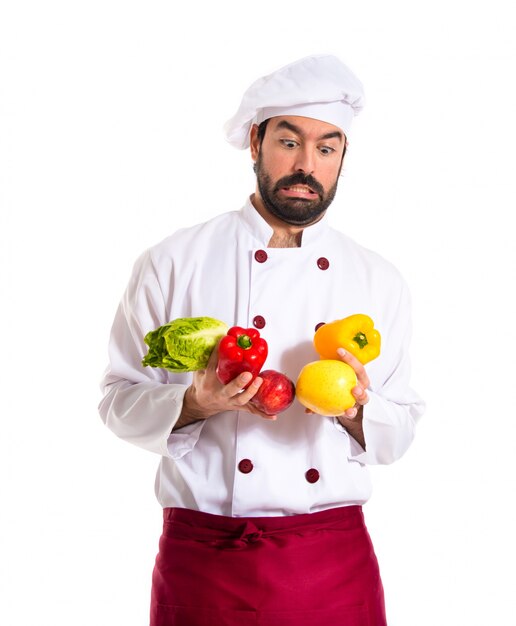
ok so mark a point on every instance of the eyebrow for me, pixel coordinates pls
(295, 129)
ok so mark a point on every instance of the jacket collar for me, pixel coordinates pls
(263, 232)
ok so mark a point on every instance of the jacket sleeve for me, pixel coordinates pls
(140, 404)
(393, 409)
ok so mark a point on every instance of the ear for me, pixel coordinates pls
(254, 142)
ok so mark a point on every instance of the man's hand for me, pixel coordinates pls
(353, 417)
(207, 396)
(359, 392)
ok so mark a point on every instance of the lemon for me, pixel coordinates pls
(325, 387)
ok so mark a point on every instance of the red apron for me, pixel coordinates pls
(302, 570)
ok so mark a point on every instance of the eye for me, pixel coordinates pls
(289, 143)
(326, 150)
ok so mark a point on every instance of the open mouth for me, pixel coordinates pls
(299, 191)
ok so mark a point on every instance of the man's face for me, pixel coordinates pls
(297, 167)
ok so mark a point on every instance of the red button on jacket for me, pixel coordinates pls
(261, 256)
(245, 466)
(312, 475)
(258, 321)
(323, 263)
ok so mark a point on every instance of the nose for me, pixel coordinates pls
(304, 161)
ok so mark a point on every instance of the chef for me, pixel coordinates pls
(263, 520)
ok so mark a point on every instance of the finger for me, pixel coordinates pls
(255, 411)
(243, 399)
(352, 361)
(360, 395)
(234, 387)
(245, 396)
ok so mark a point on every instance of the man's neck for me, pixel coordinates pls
(286, 240)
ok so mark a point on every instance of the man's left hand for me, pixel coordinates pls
(359, 392)
(352, 418)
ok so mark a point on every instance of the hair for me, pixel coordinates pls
(262, 128)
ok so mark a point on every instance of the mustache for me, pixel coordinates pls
(300, 179)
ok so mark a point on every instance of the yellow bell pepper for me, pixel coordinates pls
(355, 333)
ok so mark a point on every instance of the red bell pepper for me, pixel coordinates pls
(241, 350)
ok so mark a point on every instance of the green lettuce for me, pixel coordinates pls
(184, 344)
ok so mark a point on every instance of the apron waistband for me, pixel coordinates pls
(237, 532)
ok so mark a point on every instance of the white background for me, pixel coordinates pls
(111, 116)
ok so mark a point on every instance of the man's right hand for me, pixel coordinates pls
(207, 396)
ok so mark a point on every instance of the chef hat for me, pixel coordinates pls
(319, 86)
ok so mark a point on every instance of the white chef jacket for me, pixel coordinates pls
(300, 463)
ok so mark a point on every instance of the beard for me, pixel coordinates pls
(294, 211)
